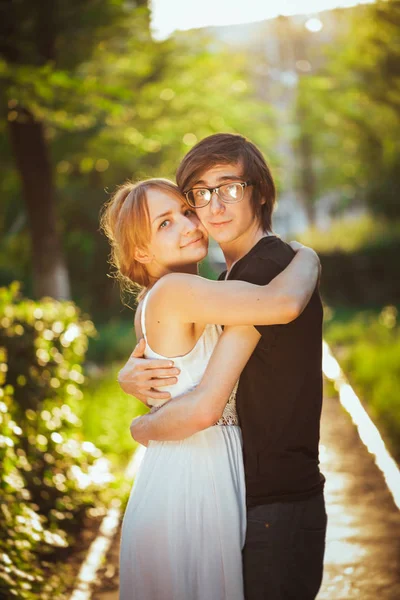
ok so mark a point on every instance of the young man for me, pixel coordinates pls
(279, 396)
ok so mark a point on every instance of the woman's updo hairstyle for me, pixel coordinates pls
(125, 221)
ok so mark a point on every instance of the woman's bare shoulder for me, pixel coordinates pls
(174, 283)
(172, 292)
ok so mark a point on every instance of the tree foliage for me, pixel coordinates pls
(353, 115)
(119, 105)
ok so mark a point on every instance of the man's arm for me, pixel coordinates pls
(183, 416)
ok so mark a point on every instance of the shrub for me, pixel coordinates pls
(359, 262)
(23, 532)
(48, 474)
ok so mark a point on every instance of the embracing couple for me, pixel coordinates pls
(228, 502)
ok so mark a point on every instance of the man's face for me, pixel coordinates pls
(226, 223)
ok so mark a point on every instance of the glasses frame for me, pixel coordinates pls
(215, 190)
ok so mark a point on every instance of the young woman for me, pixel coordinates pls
(184, 525)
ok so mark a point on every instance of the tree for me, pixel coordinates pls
(354, 111)
(176, 92)
(43, 43)
(122, 105)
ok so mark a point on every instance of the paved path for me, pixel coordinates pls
(363, 543)
(362, 557)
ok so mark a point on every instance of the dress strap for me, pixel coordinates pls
(143, 314)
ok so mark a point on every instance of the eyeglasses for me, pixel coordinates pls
(229, 193)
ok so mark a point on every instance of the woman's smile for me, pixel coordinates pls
(195, 241)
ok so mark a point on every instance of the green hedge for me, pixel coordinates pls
(368, 277)
(359, 261)
(367, 346)
(49, 475)
(348, 235)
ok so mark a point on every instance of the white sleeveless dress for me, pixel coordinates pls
(184, 526)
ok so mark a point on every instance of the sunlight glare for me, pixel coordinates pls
(172, 15)
(314, 25)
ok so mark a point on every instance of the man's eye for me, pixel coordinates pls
(201, 193)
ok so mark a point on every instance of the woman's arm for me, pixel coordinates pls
(182, 417)
(193, 299)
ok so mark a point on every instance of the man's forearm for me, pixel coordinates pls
(300, 278)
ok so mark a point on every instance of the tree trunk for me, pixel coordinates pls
(50, 275)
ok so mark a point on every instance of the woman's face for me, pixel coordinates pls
(178, 240)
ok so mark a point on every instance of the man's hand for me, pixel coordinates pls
(140, 376)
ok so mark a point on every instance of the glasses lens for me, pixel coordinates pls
(198, 197)
(231, 192)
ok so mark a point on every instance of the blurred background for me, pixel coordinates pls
(98, 91)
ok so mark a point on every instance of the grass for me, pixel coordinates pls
(106, 413)
(114, 341)
(367, 345)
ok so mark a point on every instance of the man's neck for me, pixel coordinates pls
(234, 251)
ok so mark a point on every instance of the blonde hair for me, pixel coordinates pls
(125, 220)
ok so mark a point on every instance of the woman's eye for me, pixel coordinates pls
(164, 224)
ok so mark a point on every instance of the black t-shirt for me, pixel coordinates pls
(279, 398)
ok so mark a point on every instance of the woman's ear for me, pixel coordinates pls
(142, 255)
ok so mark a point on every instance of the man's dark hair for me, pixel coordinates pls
(228, 148)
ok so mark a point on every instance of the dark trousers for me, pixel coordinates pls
(284, 550)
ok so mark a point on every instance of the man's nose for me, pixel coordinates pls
(216, 204)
